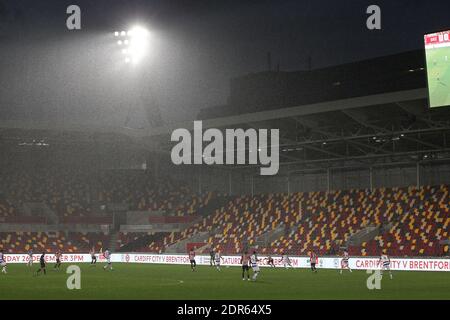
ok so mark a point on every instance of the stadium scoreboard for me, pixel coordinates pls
(437, 54)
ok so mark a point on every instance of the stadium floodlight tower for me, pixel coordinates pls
(134, 44)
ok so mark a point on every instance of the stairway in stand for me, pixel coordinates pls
(113, 241)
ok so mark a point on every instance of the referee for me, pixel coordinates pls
(42, 262)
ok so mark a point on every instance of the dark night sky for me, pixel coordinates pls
(197, 47)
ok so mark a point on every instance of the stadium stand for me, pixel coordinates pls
(75, 197)
(417, 222)
(419, 230)
(141, 242)
(418, 219)
(20, 242)
(72, 194)
(408, 221)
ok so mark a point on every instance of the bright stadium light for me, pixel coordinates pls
(136, 41)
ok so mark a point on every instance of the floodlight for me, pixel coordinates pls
(138, 43)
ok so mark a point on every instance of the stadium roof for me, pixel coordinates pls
(271, 90)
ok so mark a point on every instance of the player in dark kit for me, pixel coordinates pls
(245, 261)
(212, 256)
(313, 260)
(42, 263)
(270, 262)
(192, 259)
(58, 260)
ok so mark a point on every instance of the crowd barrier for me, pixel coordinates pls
(357, 263)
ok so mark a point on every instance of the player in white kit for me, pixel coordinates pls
(385, 264)
(217, 259)
(93, 257)
(30, 258)
(3, 262)
(107, 256)
(254, 262)
(286, 261)
(344, 262)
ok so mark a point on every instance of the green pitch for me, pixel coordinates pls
(438, 69)
(144, 281)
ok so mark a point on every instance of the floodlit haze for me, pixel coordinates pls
(50, 73)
